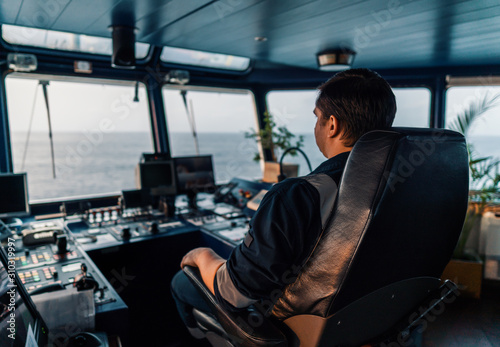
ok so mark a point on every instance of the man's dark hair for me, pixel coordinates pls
(361, 101)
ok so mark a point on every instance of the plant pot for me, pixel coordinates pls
(272, 171)
(467, 275)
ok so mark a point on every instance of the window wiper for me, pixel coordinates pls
(192, 123)
(44, 85)
(46, 97)
(29, 129)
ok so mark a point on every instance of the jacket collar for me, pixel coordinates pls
(333, 163)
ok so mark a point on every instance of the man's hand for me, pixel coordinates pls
(207, 261)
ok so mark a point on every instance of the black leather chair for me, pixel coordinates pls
(374, 275)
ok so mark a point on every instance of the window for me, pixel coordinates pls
(205, 59)
(484, 134)
(99, 134)
(24, 36)
(220, 119)
(294, 109)
(414, 107)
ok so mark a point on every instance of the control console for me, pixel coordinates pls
(47, 266)
(229, 216)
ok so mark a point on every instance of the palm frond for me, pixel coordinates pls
(473, 111)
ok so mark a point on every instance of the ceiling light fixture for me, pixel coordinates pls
(335, 59)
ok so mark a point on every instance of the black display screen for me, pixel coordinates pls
(13, 195)
(194, 174)
(158, 177)
(136, 198)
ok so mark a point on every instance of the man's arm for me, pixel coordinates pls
(207, 261)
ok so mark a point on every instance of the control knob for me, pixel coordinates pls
(126, 234)
(154, 228)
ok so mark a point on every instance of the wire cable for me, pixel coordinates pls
(29, 128)
(282, 176)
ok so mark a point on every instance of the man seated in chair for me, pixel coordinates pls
(290, 219)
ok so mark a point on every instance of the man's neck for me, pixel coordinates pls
(336, 150)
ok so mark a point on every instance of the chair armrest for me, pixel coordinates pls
(247, 327)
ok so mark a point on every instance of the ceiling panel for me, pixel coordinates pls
(160, 18)
(9, 10)
(40, 14)
(92, 10)
(213, 14)
(416, 33)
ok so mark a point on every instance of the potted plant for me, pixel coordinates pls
(466, 267)
(275, 139)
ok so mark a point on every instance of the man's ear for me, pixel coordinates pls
(334, 127)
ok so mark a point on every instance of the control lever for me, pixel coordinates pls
(83, 281)
(51, 287)
(126, 234)
(62, 244)
(154, 228)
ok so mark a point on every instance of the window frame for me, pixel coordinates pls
(41, 203)
(198, 88)
(10, 47)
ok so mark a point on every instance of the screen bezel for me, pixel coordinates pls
(27, 210)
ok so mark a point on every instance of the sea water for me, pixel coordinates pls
(103, 165)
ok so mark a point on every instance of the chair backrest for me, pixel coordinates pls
(399, 213)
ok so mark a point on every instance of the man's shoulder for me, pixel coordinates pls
(303, 185)
(292, 183)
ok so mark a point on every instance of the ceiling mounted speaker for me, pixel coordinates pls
(335, 59)
(123, 47)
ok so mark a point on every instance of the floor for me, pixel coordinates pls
(468, 322)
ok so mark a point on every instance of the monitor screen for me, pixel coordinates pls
(14, 195)
(20, 322)
(194, 174)
(157, 176)
(136, 198)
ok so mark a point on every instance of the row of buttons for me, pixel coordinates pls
(40, 257)
(35, 258)
(29, 276)
(69, 255)
(49, 272)
(34, 276)
(22, 259)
